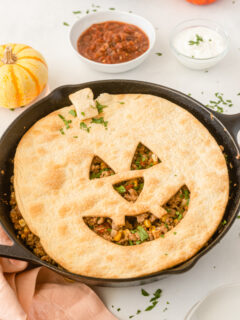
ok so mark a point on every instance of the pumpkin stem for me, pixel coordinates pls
(9, 57)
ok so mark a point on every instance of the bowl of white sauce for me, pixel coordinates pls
(199, 44)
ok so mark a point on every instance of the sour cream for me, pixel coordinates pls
(199, 43)
(199, 47)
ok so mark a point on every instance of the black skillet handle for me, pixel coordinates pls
(16, 251)
(231, 122)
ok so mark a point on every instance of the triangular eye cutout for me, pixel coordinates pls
(130, 189)
(144, 158)
(99, 169)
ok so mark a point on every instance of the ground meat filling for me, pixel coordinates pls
(131, 189)
(144, 158)
(146, 226)
(24, 233)
(99, 169)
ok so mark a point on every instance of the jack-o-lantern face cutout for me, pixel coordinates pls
(144, 226)
(57, 198)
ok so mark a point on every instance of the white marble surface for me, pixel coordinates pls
(39, 24)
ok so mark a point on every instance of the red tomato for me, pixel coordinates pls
(129, 186)
(201, 2)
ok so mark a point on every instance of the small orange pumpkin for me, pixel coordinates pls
(23, 75)
(201, 2)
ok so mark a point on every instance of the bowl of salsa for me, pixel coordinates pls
(112, 41)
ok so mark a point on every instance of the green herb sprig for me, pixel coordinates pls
(153, 300)
(197, 42)
(219, 103)
(65, 121)
(120, 189)
(142, 233)
(73, 113)
(83, 126)
(100, 121)
(100, 107)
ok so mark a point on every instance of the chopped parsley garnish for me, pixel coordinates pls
(83, 126)
(152, 306)
(100, 107)
(73, 113)
(112, 9)
(83, 113)
(219, 103)
(238, 217)
(77, 12)
(224, 222)
(12, 109)
(100, 121)
(157, 295)
(179, 215)
(142, 233)
(145, 293)
(197, 42)
(66, 24)
(66, 122)
(138, 311)
(87, 12)
(121, 189)
(62, 131)
(186, 194)
(121, 102)
(133, 231)
(154, 299)
(118, 309)
(158, 54)
(75, 137)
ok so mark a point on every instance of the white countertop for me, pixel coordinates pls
(40, 24)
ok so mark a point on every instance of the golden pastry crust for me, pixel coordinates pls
(54, 192)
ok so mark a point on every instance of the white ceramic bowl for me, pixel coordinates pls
(85, 22)
(196, 63)
(221, 304)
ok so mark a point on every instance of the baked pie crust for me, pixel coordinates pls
(54, 192)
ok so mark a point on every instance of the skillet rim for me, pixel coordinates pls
(185, 266)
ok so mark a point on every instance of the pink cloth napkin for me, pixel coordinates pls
(41, 294)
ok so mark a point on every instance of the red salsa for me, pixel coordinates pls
(112, 42)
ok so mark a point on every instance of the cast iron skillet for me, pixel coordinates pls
(223, 127)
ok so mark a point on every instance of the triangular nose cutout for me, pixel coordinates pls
(99, 169)
(130, 189)
(144, 158)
